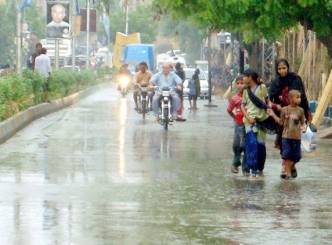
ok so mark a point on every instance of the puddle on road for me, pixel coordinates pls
(116, 180)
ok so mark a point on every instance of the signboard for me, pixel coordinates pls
(58, 20)
(76, 25)
(64, 47)
(121, 41)
(93, 20)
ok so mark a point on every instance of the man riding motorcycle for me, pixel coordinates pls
(124, 77)
(141, 79)
(166, 79)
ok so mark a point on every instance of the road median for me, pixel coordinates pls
(12, 125)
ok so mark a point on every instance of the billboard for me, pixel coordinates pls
(58, 20)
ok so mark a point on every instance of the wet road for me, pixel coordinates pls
(95, 173)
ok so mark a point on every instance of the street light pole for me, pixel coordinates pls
(73, 33)
(127, 17)
(18, 39)
(263, 58)
(209, 71)
(88, 34)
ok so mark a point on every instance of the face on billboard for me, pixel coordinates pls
(57, 13)
(58, 20)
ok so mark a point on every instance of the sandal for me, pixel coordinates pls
(294, 172)
(235, 170)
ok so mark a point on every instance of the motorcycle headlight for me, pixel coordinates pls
(124, 81)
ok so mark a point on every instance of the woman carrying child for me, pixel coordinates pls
(284, 82)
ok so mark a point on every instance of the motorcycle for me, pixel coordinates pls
(166, 115)
(144, 100)
(123, 83)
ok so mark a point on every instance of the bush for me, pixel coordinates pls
(104, 71)
(18, 92)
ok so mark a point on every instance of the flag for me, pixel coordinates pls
(106, 24)
(77, 8)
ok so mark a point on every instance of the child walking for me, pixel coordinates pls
(194, 90)
(292, 119)
(234, 110)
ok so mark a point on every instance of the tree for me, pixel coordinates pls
(35, 21)
(190, 37)
(257, 19)
(140, 20)
(8, 29)
(7, 33)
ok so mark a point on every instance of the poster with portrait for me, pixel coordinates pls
(58, 25)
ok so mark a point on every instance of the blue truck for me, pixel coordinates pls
(135, 53)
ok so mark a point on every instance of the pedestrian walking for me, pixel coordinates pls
(293, 121)
(180, 72)
(234, 110)
(194, 90)
(284, 82)
(255, 136)
(43, 67)
(32, 58)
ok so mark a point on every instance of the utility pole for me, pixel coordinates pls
(209, 57)
(127, 16)
(88, 34)
(73, 25)
(263, 59)
(18, 38)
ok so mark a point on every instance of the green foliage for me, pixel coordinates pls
(254, 19)
(20, 92)
(104, 70)
(36, 82)
(35, 21)
(8, 28)
(109, 5)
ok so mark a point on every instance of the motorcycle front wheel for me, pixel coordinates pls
(143, 108)
(166, 119)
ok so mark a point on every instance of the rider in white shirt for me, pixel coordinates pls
(166, 79)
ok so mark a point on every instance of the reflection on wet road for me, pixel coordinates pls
(96, 173)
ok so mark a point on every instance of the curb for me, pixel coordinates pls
(11, 126)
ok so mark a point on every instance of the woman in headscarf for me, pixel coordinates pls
(284, 82)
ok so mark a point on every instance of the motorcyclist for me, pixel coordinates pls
(142, 79)
(166, 79)
(123, 71)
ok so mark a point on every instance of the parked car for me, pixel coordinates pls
(203, 77)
